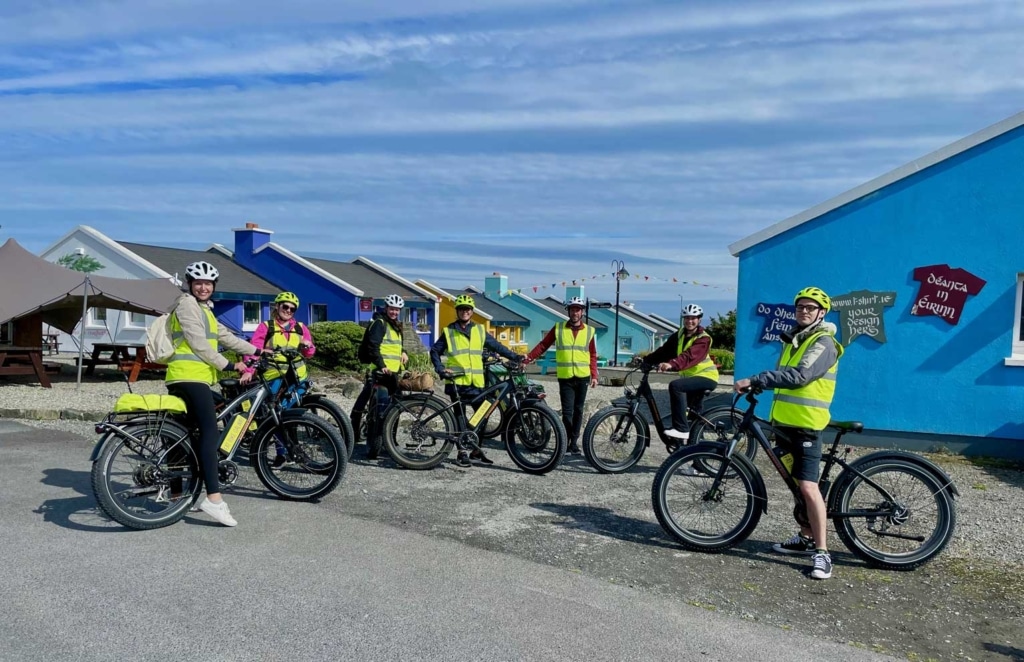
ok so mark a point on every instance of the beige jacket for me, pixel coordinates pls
(193, 327)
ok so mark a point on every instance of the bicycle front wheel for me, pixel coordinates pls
(334, 415)
(150, 484)
(701, 515)
(535, 438)
(615, 440)
(417, 432)
(897, 533)
(314, 462)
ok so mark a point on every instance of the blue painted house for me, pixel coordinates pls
(925, 263)
(330, 289)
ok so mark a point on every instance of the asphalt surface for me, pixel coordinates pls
(304, 581)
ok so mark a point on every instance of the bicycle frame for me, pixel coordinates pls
(644, 390)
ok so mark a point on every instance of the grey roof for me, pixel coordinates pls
(373, 283)
(556, 305)
(500, 315)
(234, 278)
(889, 178)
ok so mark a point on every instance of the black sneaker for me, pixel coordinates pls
(822, 565)
(478, 456)
(462, 459)
(573, 449)
(795, 546)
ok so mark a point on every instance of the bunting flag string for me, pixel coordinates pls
(632, 277)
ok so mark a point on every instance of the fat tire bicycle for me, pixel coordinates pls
(421, 429)
(616, 437)
(892, 509)
(145, 470)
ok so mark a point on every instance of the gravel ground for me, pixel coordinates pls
(965, 605)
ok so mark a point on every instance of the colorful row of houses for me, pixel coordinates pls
(256, 268)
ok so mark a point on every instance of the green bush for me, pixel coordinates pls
(723, 358)
(337, 345)
(723, 331)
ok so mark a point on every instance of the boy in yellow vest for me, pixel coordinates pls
(576, 364)
(804, 384)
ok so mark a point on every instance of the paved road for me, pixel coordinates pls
(304, 582)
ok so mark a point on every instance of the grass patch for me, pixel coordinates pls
(986, 581)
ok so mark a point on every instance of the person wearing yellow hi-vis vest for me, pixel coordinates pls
(381, 348)
(687, 352)
(804, 384)
(192, 370)
(463, 344)
(575, 364)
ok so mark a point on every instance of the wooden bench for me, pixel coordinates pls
(23, 361)
(122, 356)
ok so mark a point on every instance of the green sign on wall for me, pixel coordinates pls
(860, 314)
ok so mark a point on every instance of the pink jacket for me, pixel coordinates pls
(259, 337)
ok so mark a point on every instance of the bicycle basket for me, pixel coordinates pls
(416, 381)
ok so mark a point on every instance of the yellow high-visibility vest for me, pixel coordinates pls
(705, 368)
(572, 355)
(184, 365)
(466, 354)
(807, 406)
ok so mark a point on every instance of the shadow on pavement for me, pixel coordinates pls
(606, 522)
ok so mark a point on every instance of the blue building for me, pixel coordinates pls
(541, 318)
(924, 267)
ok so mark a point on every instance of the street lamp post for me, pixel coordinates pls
(680, 311)
(620, 273)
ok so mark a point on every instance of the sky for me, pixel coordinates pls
(449, 139)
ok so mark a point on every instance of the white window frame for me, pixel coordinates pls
(1016, 357)
(134, 323)
(629, 340)
(313, 318)
(250, 326)
(94, 321)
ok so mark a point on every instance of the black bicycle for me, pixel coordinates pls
(617, 436)
(893, 509)
(420, 430)
(145, 468)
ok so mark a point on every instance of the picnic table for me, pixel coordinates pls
(23, 361)
(128, 357)
(51, 345)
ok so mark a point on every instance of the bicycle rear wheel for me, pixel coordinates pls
(614, 440)
(150, 484)
(316, 458)
(417, 432)
(535, 438)
(700, 515)
(334, 415)
(900, 533)
(721, 425)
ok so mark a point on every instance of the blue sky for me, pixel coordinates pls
(539, 138)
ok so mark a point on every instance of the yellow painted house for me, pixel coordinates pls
(501, 323)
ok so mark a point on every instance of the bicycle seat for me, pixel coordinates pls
(847, 426)
(230, 384)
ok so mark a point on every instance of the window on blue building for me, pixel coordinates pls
(317, 312)
(251, 315)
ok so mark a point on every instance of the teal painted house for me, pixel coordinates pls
(540, 316)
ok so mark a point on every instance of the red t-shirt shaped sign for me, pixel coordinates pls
(943, 291)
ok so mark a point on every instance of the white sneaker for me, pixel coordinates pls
(673, 433)
(218, 511)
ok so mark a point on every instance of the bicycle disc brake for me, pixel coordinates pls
(227, 472)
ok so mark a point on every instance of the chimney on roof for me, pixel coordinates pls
(248, 240)
(251, 226)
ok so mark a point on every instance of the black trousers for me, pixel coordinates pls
(390, 382)
(678, 390)
(573, 393)
(202, 415)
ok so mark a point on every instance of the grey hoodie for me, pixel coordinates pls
(816, 361)
(190, 317)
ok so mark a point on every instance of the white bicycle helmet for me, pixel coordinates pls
(693, 310)
(202, 271)
(575, 301)
(394, 301)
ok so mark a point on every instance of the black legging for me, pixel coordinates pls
(679, 389)
(198, 398)
(573, 393)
